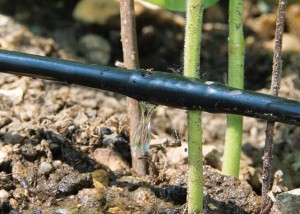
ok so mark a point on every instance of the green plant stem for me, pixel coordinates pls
(195, 172)
(193, 31)
(233, 143)
(236, 47)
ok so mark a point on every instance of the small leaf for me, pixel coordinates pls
(209, 3)
(178, 5)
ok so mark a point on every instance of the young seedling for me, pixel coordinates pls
(192, 46)
(236, 49)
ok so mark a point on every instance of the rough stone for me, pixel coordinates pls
(110, 159)
(5, 154)
(4, 197)
(100, 178)
(95, 48)
(73, 182)
(293, 19)
(56, 164)
(288, 202)
(45, 168)
(290, 44)
(101, 12)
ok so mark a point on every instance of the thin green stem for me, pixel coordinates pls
(195, 172)
(233, 145)
(236, 47)
(193, 31)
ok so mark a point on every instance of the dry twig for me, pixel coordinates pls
(131, 61)
(275, 85)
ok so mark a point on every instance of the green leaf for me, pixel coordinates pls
(178, 5)
(209, 3)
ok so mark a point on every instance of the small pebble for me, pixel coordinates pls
(110, 159)
(5, 154)
(14, 204)
(4, 122)
(13, 138)
(53, 146)
(108, 141)
(101, 12)
(71, 128)
(100, 178)
(288, 202)
(45, 168)
(95, 48)
(105, 131)
(4, 196)
(57, 164)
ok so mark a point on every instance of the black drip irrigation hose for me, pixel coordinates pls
(155, 87)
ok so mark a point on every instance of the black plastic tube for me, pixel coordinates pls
(155, 87)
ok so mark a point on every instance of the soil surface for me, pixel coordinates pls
(65, 149)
